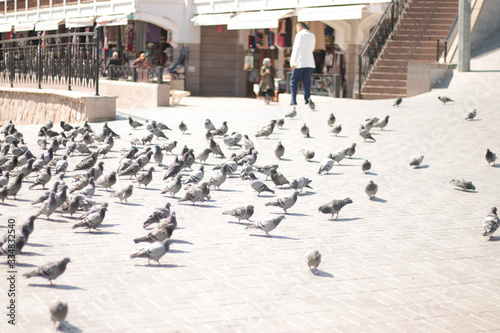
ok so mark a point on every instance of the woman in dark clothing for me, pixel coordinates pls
(267, 73)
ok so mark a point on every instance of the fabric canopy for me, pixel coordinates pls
(24, 26)
(111, 20)
(331, 13)
(78, 22)
(48, 25)
(5, 27)
(212, 19)
(266, 19)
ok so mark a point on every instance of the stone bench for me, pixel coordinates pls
(177, 95)
(36, 106)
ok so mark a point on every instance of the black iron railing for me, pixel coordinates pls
(69, 60)
(138, 74)
(321, 85)
(375, 44)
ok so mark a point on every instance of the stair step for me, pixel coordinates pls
(376, 83)
(398, 91)
(388, 76)
(410, 50)
(365, 95)
(403, 70)
(410, 56)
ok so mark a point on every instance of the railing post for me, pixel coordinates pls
(359, 76)
(70, 56)
(39, 60)
(159, 74)
(437, 51)
(97, 38)
(445, 49)
(11, 66)
(134, 74)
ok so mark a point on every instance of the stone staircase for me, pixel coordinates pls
(414, 39)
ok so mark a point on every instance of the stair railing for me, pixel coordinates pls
(371, 51)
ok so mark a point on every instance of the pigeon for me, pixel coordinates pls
(241, 213)
(337, 129)
(333, 207)
(339, 156)
(292, 113)
(285, 202)
(61, 195)
(326, 165)
(45, 196)
(471, 115)
(93, 220)
(279, 151)
(11, 164)
(266, 130)
(416, 160)
(203, 156)
(382, 123)
(87, 162)
(158, 155)
(104, 150)
(445, 99)
(4, 179)
(72, 205)
(305, 130)
(219, 177)
(280, 122)
(209, 126)
(267, 225)
(196, 176)
(107, 181)
(331, 120)
(162, 231)
(196, 193)
(250, 159)
(65, 127)
(278, 178)
(49, 206)
(157, 215)
(183, 127)
(230, 141)
(154, 251)
(83, 148)
(49, 271)
(14, 187)
(134, 123)
(148, 138)
(107, 131)
(313, 261)
(7, 250)
(349, 151)
(157, 131)
(365, 166)
(490, 157)
(28, 226)
(312, 106)
(266, 169)
(258, 185)
(308, 154)
(145, 178)
(463, 184)
(173, 186)
(491, 223)
(58, 312)
(398, 101)
(363, 132)
(299, 183)
(62, 165)
(221, 130)
(132, 170)
(42, 179)
(215, 148)
(371, 189)
(124, 193)
(247, 143)
(162, 126)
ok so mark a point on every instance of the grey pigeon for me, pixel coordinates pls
(134, 123)
(62, 165)
(203, 156)
(266, 169)
(331, 120)
(278, 178)
(209, 126)
(333, 207)
(337, 129)
(43, 178)
(15, 186)
(215, 148)
(490, 157)
(299, 183)
(365, 166)
(313, 261)
(241, 213)
(326, 165)
(230, 141)
(491, 223)
(87, 162)
(49, 271)
(279, 151)
(371, 189)
(173, 186)
(221, 130)
(196, 176)
(162, 126)
(267, 225)
(157, 215)
(158, 155)
(258, 185)
(183, 127)
(350, 150)
(445, 99)
(58, 311)
(124, 193)
(416, 160)
(72, 205)
(162, 231)
(157, 131)
(154, 251)
(285, 202)
(280, 122)
(471, 115)
(463, 184)
(7, 250)
(148, 138)
(219, 177)
(94, 220)
(107, 181)
(305, 130)
(145, 178)
(169, 146)
(3, 193)
(61, 195)
(339, 156)
(292, 113)
(398, 101)
(195, 193)
(132, 170)
(382, 123)
(365, 134)
(308, 154)
(45, 196)
(89, 189)
(267, 130)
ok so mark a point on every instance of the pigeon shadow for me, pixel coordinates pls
(422, 167)
(494, 239)
(67, 327)
(150, 188)
(18, 264)
(6, 204)
(57, 221)
(22, 200)
(56, 286)
(323, 274)
(31, 254)
(305, 194)
(226, 190)
(496, 165)
(155, 265)
(100, 232)
(347, 219)
(180, 241)
(132, 204)
(466, 191)
(378, 200)
(239, 223)
(340, 136)
(285, 159)
(311, 161)
(177, 251)
(371, 173)
(274, 236)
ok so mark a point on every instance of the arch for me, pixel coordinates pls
(161, 22)
(343, 30)
(367, 23)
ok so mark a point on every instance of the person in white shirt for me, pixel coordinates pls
(302, 63)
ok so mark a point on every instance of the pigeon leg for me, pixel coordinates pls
(267, 234)
(51, 282)
(149, 262)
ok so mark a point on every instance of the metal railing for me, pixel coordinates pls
(138, 74)
(70, 60)
(369, 54)
(321, 85)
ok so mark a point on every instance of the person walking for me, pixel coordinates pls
(268, 74)
(302, 63)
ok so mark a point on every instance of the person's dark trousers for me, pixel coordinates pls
(298, 75)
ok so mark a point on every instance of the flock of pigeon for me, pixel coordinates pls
(73, 187)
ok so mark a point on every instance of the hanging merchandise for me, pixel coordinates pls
(130, 41)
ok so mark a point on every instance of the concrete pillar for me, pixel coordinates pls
(464, 26)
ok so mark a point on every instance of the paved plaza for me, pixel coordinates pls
(411, 260)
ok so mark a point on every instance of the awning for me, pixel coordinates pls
(6, 27)
(265, 19)
(48, 25)
(212, 19)
(78, 22)
(331, 13)
(111, 20)
(24, 26)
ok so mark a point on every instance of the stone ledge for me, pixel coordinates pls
(36, 106)
(136, 95)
